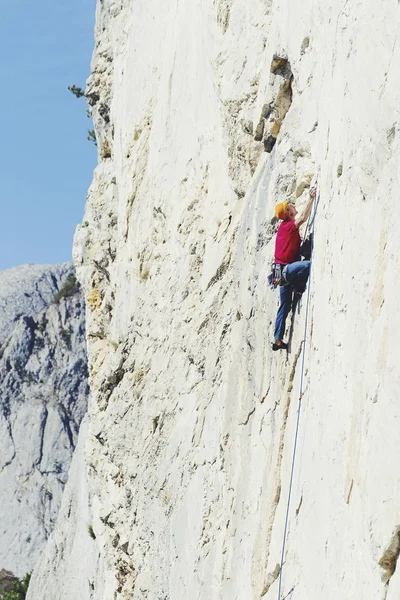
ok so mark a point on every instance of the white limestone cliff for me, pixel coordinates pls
(207, 114)
(43, 397)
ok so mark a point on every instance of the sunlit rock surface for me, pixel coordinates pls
(206, 115)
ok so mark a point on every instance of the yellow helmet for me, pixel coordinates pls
(281, 210)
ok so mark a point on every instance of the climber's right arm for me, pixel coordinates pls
(303, 216)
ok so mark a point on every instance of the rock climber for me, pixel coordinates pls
(295, 271)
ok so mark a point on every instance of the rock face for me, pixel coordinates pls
(43, 397)
(193, 418)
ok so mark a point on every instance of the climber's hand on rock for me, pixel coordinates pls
(313, 191)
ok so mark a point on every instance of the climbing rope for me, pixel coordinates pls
(310, 224)
(311, 219)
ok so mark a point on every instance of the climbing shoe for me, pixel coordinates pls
(280, 346)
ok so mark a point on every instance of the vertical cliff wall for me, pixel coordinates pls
(43, 397)
(207, 114)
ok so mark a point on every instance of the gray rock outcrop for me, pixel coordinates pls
(43, 398)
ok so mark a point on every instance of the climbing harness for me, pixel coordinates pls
(309, 226)
(277, 276)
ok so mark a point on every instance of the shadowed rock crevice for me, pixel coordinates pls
(9, 460)
(274, 112)
(43, 420)
(388, 561)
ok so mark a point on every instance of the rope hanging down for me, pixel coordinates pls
(310, 225)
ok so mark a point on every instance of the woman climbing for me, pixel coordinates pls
(294, 271)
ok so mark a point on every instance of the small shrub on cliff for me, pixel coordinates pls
(91, 532)
(92, 136)
(18, 589)
(105, 150)
(70, 287)
(76, 91)
(79, 93)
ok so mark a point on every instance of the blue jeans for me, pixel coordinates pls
(296, 274)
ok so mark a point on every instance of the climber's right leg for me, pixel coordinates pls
(283, 311)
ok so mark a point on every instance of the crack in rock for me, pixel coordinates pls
(248, 417)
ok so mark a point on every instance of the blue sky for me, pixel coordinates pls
(46, 160)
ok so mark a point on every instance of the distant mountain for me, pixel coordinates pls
(43, 398)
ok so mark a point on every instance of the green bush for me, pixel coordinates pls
(18, 589)
(92, 136)
(79, 93)
(76, 91)
(70, 287)
(91, 532)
